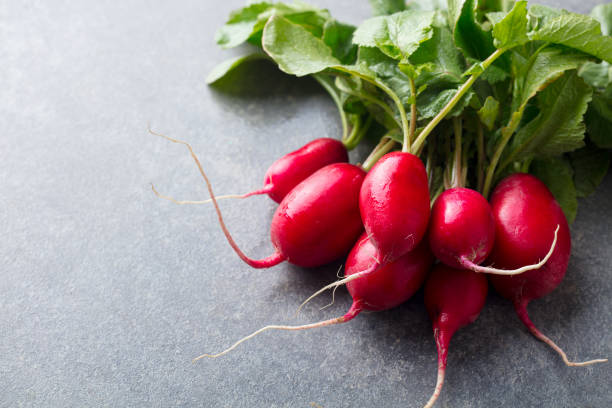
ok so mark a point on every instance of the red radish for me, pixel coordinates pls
(462, 232)
(290, 170)
(384, 288)
(394, 204)
(317, 222)
(453, 298)
(526, 214)
(391, 284)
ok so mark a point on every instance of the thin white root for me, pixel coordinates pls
(332, 301)
(273, 327)
(508, 272)
(334, 285)
(438, 390)
(183, 202)
(540, 336)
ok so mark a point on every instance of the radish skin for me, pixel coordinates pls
(395, 205)
(526, 213)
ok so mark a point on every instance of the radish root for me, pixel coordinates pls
(221, 197)
(466, 263)
(268, 262)
(438, 389)
(353, 311)
(521, 311)
(338, 283)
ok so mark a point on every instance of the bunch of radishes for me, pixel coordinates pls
(327, 203)
(398, 232)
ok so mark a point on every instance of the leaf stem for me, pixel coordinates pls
(507, 133)
(389, 92)
(383, 105)
(413, 118)
(457, 168)
(358, 133)
(418, 144)
(336, 98)
(383, 147)
(481, 155)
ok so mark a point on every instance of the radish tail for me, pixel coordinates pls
(353, 311)
(467, 264)
(268, 262)
(521, 310)
(264, 190)
(442, 341)
(339, 283)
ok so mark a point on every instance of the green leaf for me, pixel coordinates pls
(590, 167)
(221, 70)
(429, 104)
(511, 31)
(295, 49)
(572, 30)
(603, 14)
(598, 75)
(247, 23)
(467, 32)
(397, 35)
(489, 6)
(540, 71)
(489, 112)
(557, 174)
(442, 56)
(385, 7)
(339, 37)
(599, 121)
(558, 128)
(240, 25)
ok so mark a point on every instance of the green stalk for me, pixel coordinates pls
(390, 93)
(418, 144)
(383, 105)
(336, 98)
(358, 133)
(481, 155)
(457, 168)
(382, 148)
(413, 118)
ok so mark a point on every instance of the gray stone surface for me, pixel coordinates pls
(107, 293)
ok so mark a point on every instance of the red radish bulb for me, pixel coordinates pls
(526, 215)
(291, 169)
(391, 284)
(318, 221)
(384, 288)
(394, 204)
(453, 298)
(461, 227)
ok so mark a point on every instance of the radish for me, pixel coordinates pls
(386, 287)
(462, 232)
(316, 223)
(291, 169)
(526, 214)
(453, 298)
(394, 204)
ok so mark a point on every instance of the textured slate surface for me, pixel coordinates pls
(107, 293)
